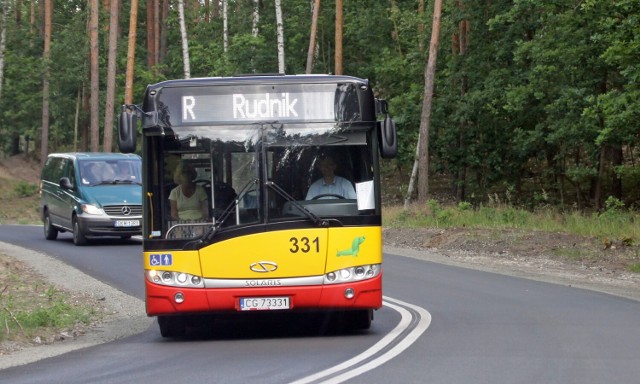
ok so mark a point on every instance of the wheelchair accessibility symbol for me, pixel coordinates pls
(156, 259)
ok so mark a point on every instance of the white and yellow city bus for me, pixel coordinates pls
(259, 241)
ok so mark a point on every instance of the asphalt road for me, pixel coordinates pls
(482, 328)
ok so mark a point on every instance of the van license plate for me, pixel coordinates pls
(127, 223)
(263, 303)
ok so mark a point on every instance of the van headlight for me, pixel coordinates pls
(91, 209)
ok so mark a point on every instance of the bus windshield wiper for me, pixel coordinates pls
(213, 229)
(315, 218)
(229, 209)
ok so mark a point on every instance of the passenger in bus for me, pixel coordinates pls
(188, 200)
(330, 184)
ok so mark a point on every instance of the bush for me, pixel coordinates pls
(24, 189)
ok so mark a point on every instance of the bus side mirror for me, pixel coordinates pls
(127, 130)
(388, 138)
(382, 107)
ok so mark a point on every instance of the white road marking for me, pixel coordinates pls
(423, 323)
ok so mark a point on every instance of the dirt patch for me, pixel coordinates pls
(19, 198)
(20, 167)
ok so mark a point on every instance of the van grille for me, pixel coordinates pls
(120, 210)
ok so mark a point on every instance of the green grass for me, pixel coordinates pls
(30, 308)
(614, 223)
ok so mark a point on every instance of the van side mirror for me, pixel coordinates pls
(65, 183)
(127, 130)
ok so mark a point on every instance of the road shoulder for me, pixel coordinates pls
(126, 315)
(625, 285)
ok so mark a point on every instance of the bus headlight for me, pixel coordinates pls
(174, 279)
(361, 272)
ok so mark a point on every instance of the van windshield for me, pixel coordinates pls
(122, 171)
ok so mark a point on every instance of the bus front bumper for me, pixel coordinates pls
(165, 300)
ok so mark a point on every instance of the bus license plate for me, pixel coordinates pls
(127, 223)
(263, 303)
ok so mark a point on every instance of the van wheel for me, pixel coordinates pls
(50, 232)
(78, 237)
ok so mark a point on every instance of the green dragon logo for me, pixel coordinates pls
(355, 248)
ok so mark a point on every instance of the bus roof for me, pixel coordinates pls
(259, 79)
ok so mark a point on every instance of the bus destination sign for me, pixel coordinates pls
(247, 107)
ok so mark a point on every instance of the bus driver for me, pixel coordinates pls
(330, 184)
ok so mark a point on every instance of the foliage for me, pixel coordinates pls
(614, 223)
(24, 189)
(543, 101)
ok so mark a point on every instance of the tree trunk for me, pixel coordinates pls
(163, 29)
(107, 143)
(338, 48)
(617, 160)
(185, 41)
(216, 9)
(84, 118)
(225, 27)
(156, 33)
(18, 12)
(461, 177)
(3, 39)
(94, 138)
(312, 38)
(280, 36)
(75, 121)
(412, 179)
(425, 120)
(421, 25)
(32, 19)
(414, 170)
(151, 6)
(48, 11)
(131, 53)
(41, 22)
(597, 193)
(255, 18)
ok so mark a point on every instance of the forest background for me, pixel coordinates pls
(536, 102)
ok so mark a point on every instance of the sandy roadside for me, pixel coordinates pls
(126, 315)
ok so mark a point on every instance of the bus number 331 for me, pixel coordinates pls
(304, 244)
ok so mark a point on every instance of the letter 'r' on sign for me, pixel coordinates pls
(188, 102)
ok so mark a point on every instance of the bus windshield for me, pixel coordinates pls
(246, 175)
